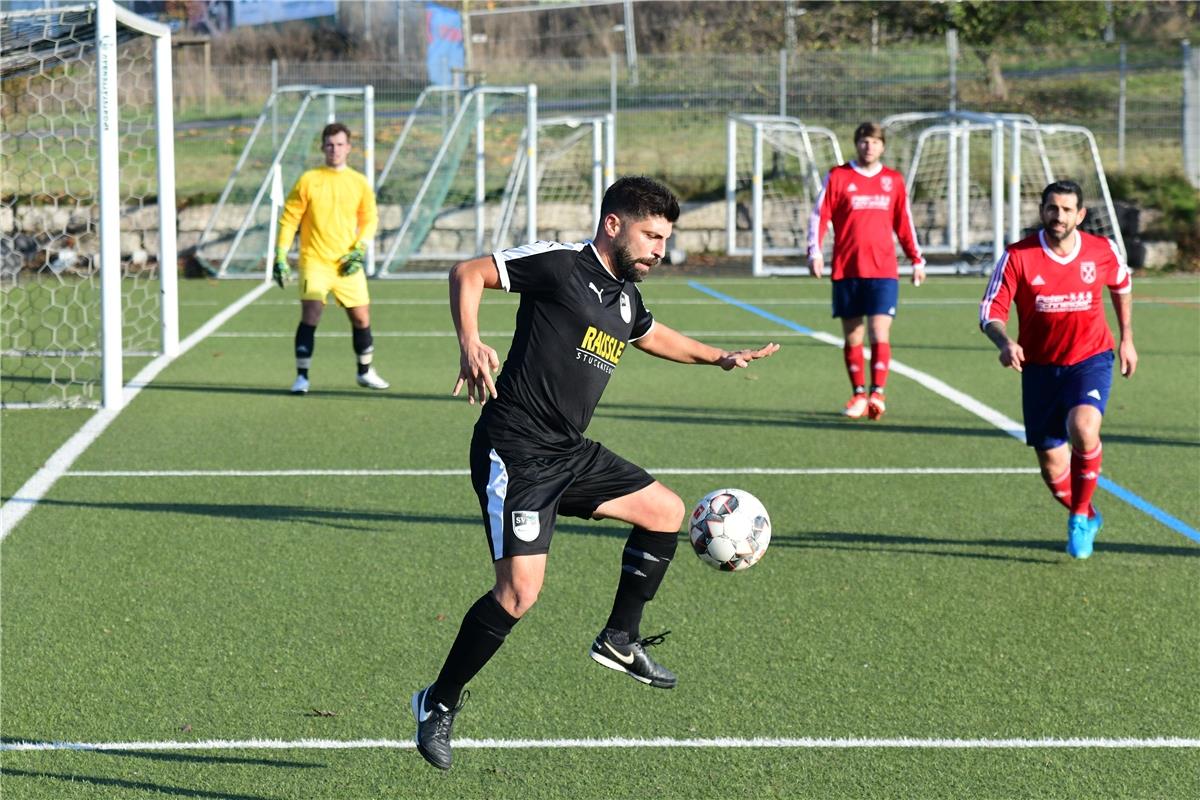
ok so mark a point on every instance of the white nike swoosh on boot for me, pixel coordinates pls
(624, 659)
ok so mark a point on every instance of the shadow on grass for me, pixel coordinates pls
(343, 519)
(363, 521)
(782, 418)
(186, 758)
(342, 390)
(844, 540)
(117, 783)
(830, 420)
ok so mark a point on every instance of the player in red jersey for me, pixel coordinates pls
(1064, 351)
(866, 202)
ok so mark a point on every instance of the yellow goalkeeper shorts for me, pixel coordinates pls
(316, 282)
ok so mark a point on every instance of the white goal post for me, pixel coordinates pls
(774, 169)
(975, 180)
(88, 262)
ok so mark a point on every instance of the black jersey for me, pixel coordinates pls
(573, 324)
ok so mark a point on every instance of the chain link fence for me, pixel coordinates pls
(670, 113)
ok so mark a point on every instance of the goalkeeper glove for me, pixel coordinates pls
(352, 262)
(282, 273)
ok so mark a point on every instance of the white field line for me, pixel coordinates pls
(803, 743)
(449, 334)
(56, 466)
(662, 301)
(700, 301)
(434, 473)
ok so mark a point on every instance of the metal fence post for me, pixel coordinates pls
(1121, 111)
(1191, 113)
(952, 56)
(783, 82)
(274, 108)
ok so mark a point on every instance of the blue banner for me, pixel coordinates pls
(263, 12)
(444, 43)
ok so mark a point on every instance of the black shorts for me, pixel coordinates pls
(521, 496)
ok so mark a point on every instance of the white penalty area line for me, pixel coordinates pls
(34, 489)
(719, 743)
(434, 473)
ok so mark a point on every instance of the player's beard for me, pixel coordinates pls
(627, 265)
(1058, 236)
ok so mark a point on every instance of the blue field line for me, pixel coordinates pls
(1146, 507)
(1149, 508)
(733, 301)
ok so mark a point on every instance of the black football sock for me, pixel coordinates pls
(644, 563)
(306, 342)
(364, 347)
(483, 629)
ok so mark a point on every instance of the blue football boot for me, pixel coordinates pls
(1081, 532)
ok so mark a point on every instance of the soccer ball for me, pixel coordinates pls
(730, 529)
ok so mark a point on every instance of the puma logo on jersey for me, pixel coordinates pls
(599, 294)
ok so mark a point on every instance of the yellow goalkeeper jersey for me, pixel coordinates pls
(333, 209)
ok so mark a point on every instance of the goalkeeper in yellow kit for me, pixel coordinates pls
(334, 208)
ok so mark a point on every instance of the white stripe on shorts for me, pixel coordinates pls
(497, 491)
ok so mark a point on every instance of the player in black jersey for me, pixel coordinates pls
(530, 462)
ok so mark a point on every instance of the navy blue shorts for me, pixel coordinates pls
(1048, 393)
(521, 496)
(865, 297)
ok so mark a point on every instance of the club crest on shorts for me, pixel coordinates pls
(626, 310)
(1087, 271)
(525, 525)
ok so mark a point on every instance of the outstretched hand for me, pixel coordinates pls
(742, 358)
(477, 363)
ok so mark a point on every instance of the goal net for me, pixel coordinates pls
(775, 167)
(975, 180)
(449, 174)
(285, 137)
(575, 164)
(87, 216)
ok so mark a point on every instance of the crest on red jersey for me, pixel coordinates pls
(886, 183)
(1087, 271)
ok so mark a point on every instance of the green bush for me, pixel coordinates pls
(1179, 202)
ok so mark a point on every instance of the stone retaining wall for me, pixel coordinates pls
(49, 230)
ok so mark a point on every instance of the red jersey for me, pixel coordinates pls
(866, 208)
(1059, 304)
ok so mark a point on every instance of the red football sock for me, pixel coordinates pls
(1060, 487)
(853, 356)
(1085, 471)
(881, 360)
